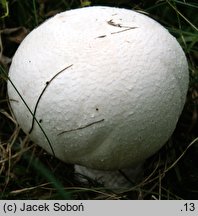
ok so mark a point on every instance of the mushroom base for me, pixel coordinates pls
(116, 180)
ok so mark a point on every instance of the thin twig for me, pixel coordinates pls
(79, 128)
(112, 23)
(39, 98)
(129, 28)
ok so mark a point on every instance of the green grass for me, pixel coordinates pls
(28, 172)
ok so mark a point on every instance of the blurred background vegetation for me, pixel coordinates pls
(28, 172)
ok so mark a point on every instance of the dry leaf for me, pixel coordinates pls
(15, 35)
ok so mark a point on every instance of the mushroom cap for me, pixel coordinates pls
(107, 86)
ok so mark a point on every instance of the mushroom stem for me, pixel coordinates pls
(117, 180)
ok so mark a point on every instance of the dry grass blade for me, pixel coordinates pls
(28, 189)
(183, 153)
(189, 22)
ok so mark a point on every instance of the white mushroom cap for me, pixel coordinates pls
(106, 84)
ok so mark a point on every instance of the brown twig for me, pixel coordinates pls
(39, 98)
(79, 128)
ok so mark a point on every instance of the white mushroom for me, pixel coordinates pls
(107, 86)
